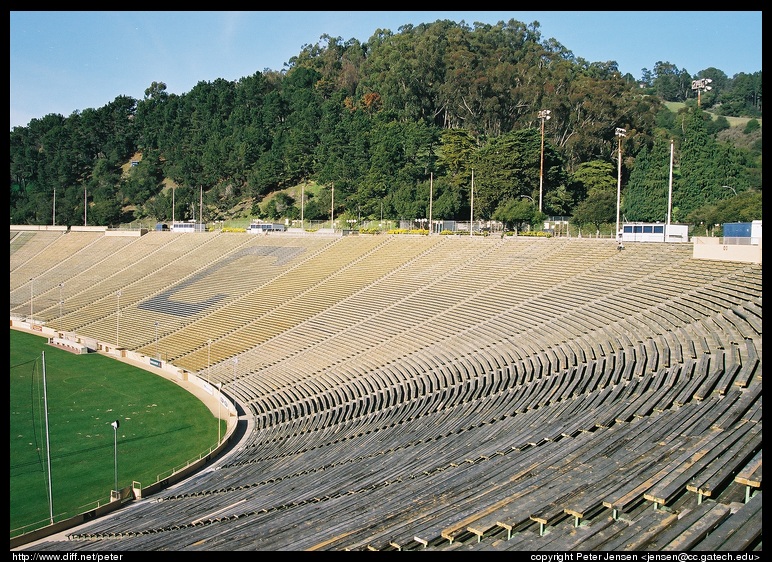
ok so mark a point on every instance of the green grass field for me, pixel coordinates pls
(162, 428)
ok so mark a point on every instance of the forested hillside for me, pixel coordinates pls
(372, 129)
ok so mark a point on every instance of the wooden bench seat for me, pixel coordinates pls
(690, 528)
(714, 373)
(752, 313)
(587, 377)
(750, 397)
(750, 362)
(736, 533)
(641, 402)
(678, 422)
(732, 363)
(636, 532)
(693, 376)
(526, 477)
(584, 485)
(641, 462)
(750, 475)
(582, 537)
(617, 402)
(721, 471)
(689, 465)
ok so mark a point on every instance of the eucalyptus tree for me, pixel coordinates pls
(670, 82)
(338, 64)
(744, 98)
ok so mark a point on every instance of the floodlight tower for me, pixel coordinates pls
(701, 85)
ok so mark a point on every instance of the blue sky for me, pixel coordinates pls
(66, 61)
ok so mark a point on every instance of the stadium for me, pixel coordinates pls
(431, 393)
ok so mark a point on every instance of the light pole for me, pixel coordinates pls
(31, 294)
(620, 133)
(471, 205)
(61, 301)
(201, 206)
(544, 115)
(235, 362)
(669, 191)
(219, 401)
(700, 86)
(208, 358)
(332, 207)
(431, 198)
(302, 207)
(115, 425)
(156, 340)
(118, 321)
(48, 443)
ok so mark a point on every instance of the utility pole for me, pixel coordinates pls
(544, 115)
(620, 133)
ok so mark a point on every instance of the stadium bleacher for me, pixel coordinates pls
(432, 392)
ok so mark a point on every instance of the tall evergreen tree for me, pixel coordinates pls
(645, 197)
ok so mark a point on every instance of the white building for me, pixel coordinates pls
(654, 232)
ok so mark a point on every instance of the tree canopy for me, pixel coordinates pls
(377, 119)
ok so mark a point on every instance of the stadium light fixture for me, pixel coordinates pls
(544, 115)
(620, 133)
(701, 85)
